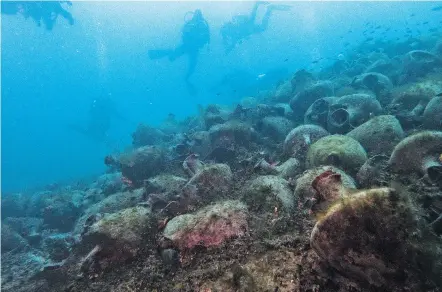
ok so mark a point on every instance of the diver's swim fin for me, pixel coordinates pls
(158, 54)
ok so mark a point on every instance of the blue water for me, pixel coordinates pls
(50, 78)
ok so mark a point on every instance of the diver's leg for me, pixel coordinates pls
(193, 59)
(265, 21)
(67, 15)
(178, 52)
(252, 16)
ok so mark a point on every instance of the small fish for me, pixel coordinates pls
(260, 76)
(437, 8)
(286, 59)
(426, 22)
(412, 14)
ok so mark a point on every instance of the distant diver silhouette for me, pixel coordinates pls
(101, 113)
(195, 35)
(243, 26)
(40, 11)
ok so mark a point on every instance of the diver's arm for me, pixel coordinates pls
(207, 31)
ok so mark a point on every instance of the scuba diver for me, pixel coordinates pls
(243, 26)
(194, 36)
(101, 112)
(46, 11)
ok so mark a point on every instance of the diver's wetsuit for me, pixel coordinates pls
(47, 11)
(243, 26)
(195, 34)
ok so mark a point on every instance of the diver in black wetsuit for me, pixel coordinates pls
(243, 26)
(40, 11)
(195, 35)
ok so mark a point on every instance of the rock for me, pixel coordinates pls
(231, 133)
(388, 67)
(142, 163)
(164, 183)
(338, 150)
(379, 135)
(283, 92)
(302, 80)
(211, 226)
(214, 115)
(275, 127)
(264, 193)
(378, 83)
(58, 246)
(25, 226)
(59, 209)
(418, 63)
(302, 101)
(19, 268)
(92, 196)
(410, 100)
(432, 116)
(109, 183)
(222, 155)
(350, 111)
(200, 143)
(248, 102)
(289, 169)
(284, 108)
(192, 165)
(304, 190)
(170, 126)
(373, 172)
(11, 240)
(370, 237)
(408, 96)
(145, 135)
(299, 139)
(120, 233)
(317, 113)
(256, 114)
(419, 153)
(111, 204)
(212, 182)
(171, 258)
(14, 205)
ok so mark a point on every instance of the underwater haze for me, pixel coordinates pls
(51, 77)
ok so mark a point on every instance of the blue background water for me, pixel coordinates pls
(50, 78)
